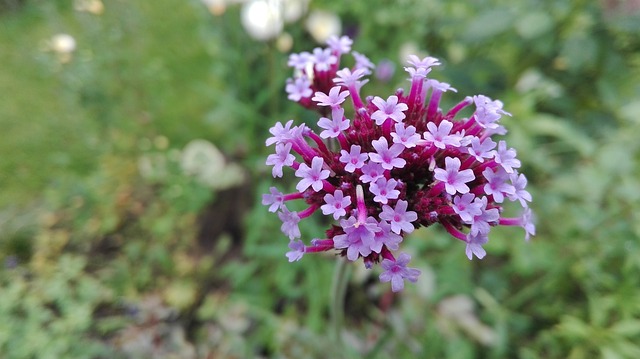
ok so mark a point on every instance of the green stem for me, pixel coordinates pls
(338, 292)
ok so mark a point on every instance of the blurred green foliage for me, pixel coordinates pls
(111, 249)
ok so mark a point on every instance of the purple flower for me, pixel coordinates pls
(385, 238)
(274, 200)
(341, 45)
(419, 165)
(440, 136)
(362, 62)
(334, 98)
(384, 190)
(282, 157)
(296, 252)
(371, 172)
(454, 179)
(335, 204)
(323, 59)
(353, 159)
(300, 61)
(488, 112)
(399, 218)
(299, 89)
(333, 128)
(388, 109)
(474, 245)
(519, 182)
(289, 223)
(497, 185)
(348, 78)
(482, 223)
(396, 272)
(439, 86)
(425, 63)
(280, 133)
(528, 223)
(385, 70)
(506, 157)
(312, 176)
(481, 150)
(385, 155)
(466, 207)
(405, 136)
(358, 236)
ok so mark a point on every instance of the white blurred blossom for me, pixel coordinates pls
(262, 19)
(62, 46)
(202, 160)
(322, 25)
(95, 7)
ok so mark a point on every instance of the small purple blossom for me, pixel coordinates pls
(389, 109)
(439, 86)
(363, 62)
(385, 70)
(298, 89)
(358, 236)
(385, 238)
(497, 185)
(488, 112)
(274, 199)
(519, 182)
(300, 61)
(528, 223)
(323, 59)
(289, 223)
(482, 222)
(312, 176)
(466, 207)
(348, 78)
(384, 190)
(333, 128)
(399, 218)
(481, 150)
(385, 155)
(440, 135)
(335, 204)
(371, 172)
(341, 45)
(506, 157)
(280, 133)
(405, 136)
(334, 98)
(396, 272)
(454, 179)
(424, 63)
(474, 245)
(353, 159)
(296, 252)
(281, 158)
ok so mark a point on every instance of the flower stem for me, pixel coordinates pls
(338, 292)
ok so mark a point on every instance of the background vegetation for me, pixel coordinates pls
(115, 244)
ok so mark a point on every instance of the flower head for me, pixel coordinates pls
(399, 164)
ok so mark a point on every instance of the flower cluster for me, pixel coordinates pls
(399, 163)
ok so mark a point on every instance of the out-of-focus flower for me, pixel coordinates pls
(202, 160)
(95, 7)
(322, 25)
(262, 19)
(63, 45)
(385, 70)
(400, 163)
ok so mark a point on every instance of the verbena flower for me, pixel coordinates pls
(399, 164)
